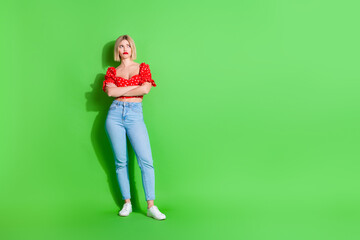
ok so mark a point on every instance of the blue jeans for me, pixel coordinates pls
(126, 118)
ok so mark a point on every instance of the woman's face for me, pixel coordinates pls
(124, 49)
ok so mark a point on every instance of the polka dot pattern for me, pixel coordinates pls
(138, 79)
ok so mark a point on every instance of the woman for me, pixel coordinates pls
(128, 83)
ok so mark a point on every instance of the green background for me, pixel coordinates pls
(254, 123)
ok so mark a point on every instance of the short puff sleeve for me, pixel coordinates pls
(146, 74)
(109, 77)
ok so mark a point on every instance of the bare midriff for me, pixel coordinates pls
(135, 99)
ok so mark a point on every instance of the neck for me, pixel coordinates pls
(126, 62)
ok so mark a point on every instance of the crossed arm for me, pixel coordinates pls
(113, 91)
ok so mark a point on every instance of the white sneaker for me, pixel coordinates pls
(155, 213)
(126, 210)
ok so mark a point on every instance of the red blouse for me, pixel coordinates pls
(138, 79)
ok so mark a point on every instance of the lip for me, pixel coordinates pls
(125, 53)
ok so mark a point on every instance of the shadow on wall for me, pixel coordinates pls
(98, 101)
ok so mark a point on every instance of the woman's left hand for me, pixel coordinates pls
(110, 85)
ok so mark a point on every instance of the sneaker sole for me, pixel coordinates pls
(154, 217)
(124, 215)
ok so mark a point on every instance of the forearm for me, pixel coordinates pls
(138, 91)
(118, 91)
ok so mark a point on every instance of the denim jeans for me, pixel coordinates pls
(126, 118)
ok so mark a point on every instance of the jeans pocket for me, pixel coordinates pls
(137, 108)
(112, 106)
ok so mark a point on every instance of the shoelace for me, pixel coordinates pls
(158, 211)
(126, 207)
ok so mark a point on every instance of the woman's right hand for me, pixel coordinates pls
(147, 86)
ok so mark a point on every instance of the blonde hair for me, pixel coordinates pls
(116, 47)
